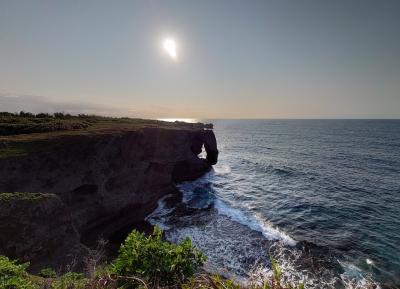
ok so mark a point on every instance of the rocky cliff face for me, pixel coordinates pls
(38, 228)
(102, 182)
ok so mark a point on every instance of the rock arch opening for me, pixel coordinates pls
(203, 153)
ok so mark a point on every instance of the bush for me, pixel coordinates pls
(13, 275)
(70, 280)
(26, 123)
(156, 262)
(47, 273)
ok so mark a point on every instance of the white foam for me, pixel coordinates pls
(157, 217)
(289, 260)
(254, 222)
(222, 169)
(354, 278)
(290, 275)
(369, 261)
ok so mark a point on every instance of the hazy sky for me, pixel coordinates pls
(236, 59)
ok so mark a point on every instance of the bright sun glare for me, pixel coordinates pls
(169, 46)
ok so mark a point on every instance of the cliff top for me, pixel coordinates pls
(18, 196)
(25, 132)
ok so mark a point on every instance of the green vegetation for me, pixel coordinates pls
(12, 124)
(208, 281)
(25, 122)
(48, 273)
(143, 262)
(17, 196)
(70, 280)
(156, 262)
(26, 133)
(276, 269)
(13, 275)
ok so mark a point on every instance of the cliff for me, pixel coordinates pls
(100, 181)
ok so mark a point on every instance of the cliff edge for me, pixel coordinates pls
(92, 182)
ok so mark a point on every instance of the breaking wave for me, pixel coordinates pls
(254, 222)
(321, 197)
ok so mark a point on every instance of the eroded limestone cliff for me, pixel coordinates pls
(101, 182)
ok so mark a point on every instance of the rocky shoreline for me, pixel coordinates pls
(87, 186)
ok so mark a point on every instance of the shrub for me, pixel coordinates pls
(13, 275)
(155, 261)
(47, 273)
(70, 280)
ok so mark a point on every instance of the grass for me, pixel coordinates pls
(26, 133)
(12, 124)
(25, 147)
(210, 281)
(17, 196)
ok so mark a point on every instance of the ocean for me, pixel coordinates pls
(322, 197)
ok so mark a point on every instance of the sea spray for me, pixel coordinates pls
(254, 222)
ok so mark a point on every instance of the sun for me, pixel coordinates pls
(170, 47)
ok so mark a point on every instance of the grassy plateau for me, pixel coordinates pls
(25, 133)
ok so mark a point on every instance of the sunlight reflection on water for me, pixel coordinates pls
(190, 120)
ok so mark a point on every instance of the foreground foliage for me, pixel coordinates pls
(13, 275)
(156, 262)
(143, 262)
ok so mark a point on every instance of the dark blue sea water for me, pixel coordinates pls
(320, 196)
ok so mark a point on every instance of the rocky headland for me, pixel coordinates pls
(64, 186)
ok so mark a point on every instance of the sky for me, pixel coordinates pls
(235, 59)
